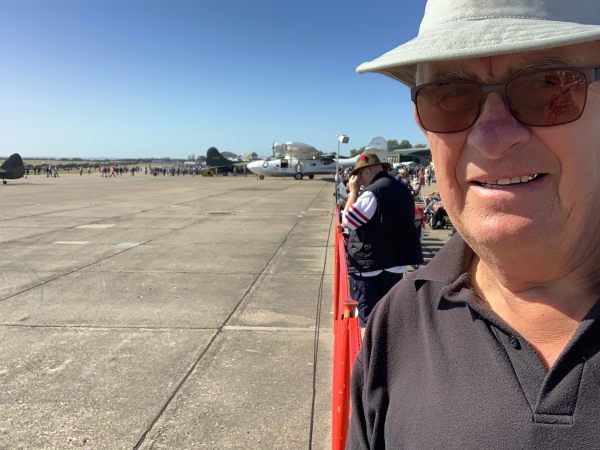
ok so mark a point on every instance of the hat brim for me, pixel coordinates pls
(477, 38)
(384, 165)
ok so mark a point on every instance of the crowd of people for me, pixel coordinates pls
(108, 171)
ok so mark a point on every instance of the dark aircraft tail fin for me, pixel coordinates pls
(215, 159)
(12, 168)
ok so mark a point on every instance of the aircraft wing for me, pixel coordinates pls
(297, 150)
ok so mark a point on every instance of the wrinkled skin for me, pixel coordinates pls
(540, 241)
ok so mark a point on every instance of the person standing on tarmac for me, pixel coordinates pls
(383, 241)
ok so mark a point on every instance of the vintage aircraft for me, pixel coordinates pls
(300, 159)
(12, 168)
(217, 163)
(290, 166)
(293, 159)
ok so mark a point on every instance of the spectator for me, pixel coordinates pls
(383, 241)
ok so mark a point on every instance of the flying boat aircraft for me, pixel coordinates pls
(297, 160)
(12, 168)
(289, 166)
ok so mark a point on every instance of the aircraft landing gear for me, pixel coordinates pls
(3, 181)
(311, 176)
(261, 177)
(298, 176)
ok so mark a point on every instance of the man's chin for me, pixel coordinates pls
(501, 235)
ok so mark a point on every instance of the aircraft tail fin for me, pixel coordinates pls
(215, 159)
(13, 167)
(378, 146)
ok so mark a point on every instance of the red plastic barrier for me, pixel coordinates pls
(336, 274)
(346, 334)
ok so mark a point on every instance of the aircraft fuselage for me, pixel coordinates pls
(289, 167)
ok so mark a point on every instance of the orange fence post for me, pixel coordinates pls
(336, 272)
(339, 425)
(346, 344)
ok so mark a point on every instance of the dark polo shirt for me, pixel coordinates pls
(438, 369)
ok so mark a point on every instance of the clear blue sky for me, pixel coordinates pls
(136, 78)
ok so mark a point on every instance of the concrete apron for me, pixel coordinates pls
(174, 312)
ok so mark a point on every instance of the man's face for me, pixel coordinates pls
(558, 214)
(364, 176)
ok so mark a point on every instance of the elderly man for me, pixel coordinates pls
(383, 241)
(495, 343)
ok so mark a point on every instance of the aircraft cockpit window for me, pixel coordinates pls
(284, 163)
(326, 161)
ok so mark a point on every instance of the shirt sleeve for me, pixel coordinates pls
(361, 211)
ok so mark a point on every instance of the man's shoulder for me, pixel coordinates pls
(402, 324)
(389, 184)
(417, 297)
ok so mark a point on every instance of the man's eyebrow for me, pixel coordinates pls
(547, 62)
(452, 75)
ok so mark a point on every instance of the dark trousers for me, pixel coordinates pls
(367, 291)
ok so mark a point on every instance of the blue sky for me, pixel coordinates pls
(137, 78)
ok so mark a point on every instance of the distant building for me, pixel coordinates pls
(418, 155)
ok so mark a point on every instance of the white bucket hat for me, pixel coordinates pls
(460, 29)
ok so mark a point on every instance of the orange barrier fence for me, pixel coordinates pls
(346, 335)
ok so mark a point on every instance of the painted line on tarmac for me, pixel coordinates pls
(261, 328)
(71, 242)
(96, 226)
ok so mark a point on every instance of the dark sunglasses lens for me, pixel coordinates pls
(553, 97)
(448, 107)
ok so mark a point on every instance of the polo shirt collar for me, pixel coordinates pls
(450, 262)
(451, 267)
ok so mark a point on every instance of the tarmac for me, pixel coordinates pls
(167, 312)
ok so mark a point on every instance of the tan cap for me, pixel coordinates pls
(367, 160)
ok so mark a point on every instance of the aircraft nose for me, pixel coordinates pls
(252, 166)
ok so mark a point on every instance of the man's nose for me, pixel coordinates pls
(496, 130)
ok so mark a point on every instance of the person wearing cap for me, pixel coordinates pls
(496, 342)
(383, 241)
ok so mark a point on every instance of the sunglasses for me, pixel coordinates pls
(542, 98)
